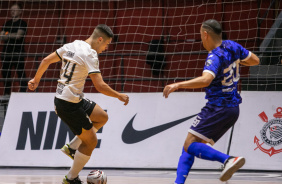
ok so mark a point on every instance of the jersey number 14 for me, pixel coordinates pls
(66, 66)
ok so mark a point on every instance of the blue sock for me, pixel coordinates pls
(185, 163)
(206, 152)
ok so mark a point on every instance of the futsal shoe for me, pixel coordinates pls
(74, 181)
(231, 165)
(68, 151)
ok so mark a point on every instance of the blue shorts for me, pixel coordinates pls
(213, 121)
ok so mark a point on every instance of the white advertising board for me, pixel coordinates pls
(257, 134)
(33, 135)
(147, 133)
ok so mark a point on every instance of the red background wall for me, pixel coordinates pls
(135, 24)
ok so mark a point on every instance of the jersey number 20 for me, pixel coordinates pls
(233, 71)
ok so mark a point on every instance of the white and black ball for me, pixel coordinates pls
(96, 177)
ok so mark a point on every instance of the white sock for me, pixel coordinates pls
(78, 163)
(75, 143)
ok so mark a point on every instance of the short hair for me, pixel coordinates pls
(103, 29)
(212, 25)
(20, 5)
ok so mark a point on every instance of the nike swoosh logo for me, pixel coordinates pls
(131, 136)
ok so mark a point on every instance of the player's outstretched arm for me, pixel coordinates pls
(251, 61)
(199, 82)
(104, 88)
(52, 58)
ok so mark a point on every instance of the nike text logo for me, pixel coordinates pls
(131, 136)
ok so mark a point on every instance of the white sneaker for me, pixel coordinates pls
(231, 165)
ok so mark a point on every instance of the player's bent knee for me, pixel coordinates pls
(186, 146)
(105, 118)
(101, 118)
(91, 143)
(89, 138)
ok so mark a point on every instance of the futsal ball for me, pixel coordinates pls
(97, 177)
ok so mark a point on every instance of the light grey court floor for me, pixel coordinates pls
(55, 176)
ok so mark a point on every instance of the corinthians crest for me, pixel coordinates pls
(270, 134)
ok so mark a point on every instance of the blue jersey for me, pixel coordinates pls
(223, 63)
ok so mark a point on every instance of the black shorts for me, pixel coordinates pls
(75, 115)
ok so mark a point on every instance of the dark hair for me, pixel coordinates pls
(212, 25)
(20, 5)
(106, 30)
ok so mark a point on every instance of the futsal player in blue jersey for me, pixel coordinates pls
(219, 78)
